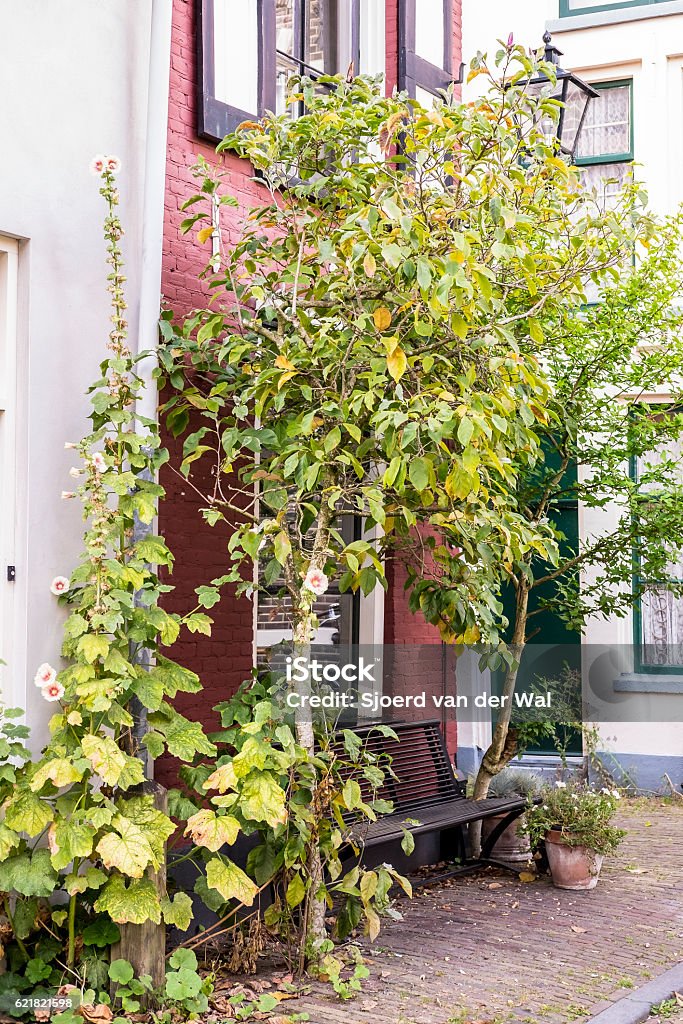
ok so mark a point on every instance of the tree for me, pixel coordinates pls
(367, 352)
(605, 362)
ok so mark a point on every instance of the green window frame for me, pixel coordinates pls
(612, 158)
(640, 666)
(566, 11)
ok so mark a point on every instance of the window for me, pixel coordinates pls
(604, 149)
(658, 613)
(426, 48)
(338, 614)
(568, 8)
(248, 50)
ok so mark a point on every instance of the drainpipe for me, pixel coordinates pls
(150, 275)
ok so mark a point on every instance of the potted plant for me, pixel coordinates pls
(574, 821)
(512, 847)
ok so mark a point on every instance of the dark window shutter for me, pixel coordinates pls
(218, 115)
(415, 71)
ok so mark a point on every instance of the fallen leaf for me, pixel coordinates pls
(527, 876)
(495, 885)
(648, 824)
(514, 905)
(638, 871)
(95, 1014)
(578, 929)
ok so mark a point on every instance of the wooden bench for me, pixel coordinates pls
(427, 797)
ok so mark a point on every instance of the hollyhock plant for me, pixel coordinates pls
(59, 585)
(316, 581)
(45, 675)
(113, 164)
(53, 691)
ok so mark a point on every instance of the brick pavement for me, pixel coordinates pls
(489, 948)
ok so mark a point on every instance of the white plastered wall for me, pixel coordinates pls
(74, 81)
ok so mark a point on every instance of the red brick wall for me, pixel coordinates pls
(224, 660)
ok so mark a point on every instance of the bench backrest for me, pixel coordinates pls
(420, 761)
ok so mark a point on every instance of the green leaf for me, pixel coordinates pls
(70, 839)
(230, 881)
(208, 829)
(101, 933)
(30, 874)
(132, 904)
(177, 911)
(121, 971)
(352, 794)
(106, 758)
(465, 431)
(60, 771)
(262, 799)
(93, 646)
(26, 812)
(296, 891)
(198, 623)
(9, 840)
(408, 842)
(419, 473)
(424, 272)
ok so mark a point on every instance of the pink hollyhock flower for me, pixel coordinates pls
(99, 462)
(75, 472)
(45, 675)
(317, 581)
(68, 494)
(113, 164)
(59, 585)
(98, 164)
(70, 444)
(53, 691)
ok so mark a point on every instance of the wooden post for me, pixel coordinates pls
(144, 945)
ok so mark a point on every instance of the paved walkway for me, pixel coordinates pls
(490, 949)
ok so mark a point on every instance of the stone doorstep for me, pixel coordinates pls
(635, 1007)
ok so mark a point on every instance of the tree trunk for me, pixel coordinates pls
(314, 930)
(503, 745)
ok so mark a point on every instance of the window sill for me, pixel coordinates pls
(643, 682)
(595, 18)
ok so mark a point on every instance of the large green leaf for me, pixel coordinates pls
(263, 799)
(26, 812)
(132, 904)
(177, 911)
(207, 829)
(230, 881)
(105, 756)
(30, 874)
(70, 839)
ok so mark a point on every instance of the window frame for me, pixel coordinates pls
(216, 118)
(617, 5)
(611, 158)
(641, 667)
(414, 71)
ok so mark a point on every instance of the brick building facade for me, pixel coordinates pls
(225, 659)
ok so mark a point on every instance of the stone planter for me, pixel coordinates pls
(571, 867)
(510, 848)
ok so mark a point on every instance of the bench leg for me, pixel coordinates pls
(497, 832)
(453, 844)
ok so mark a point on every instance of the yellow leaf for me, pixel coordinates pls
(382, 318)
(285, 377)
(397, 363)
(204, 235)
(283, 363)
(369, 264)
(527, 876)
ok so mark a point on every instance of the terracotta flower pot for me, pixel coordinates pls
(511, 848)
(572, 867)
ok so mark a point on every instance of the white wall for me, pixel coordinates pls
(73, 83)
